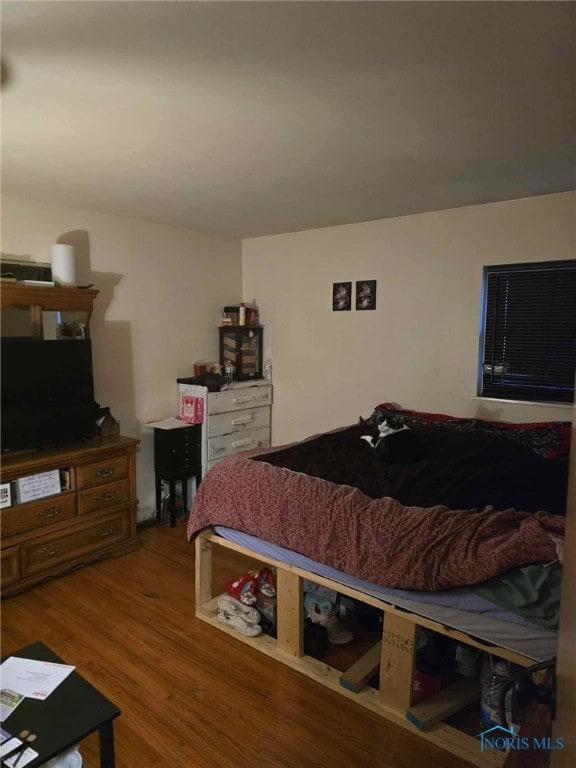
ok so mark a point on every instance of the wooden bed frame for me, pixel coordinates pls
(394, 654)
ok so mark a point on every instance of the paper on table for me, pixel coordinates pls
(9, 700)
(32, 678)
(169, 423)
(21, 759)
(9, 745)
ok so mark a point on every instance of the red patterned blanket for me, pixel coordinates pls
(377, 539)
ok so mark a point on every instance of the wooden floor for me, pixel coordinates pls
(192, 697)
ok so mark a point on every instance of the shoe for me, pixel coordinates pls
(243, 589)
(337, 632)
(310, 600)
(238, 623)
(231, 605)
(265, 582)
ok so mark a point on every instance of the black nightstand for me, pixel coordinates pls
(177, 457)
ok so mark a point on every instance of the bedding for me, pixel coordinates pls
(476, 505)
(459, 469)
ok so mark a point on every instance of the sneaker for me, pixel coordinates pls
(239, 624)
(265, 582)
(337, 632)
(231, 605)
(243, 589)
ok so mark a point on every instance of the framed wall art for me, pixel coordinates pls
(366, 294)
(341, 297)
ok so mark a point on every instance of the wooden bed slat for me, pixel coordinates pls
(397, 662)
(355, 678)
(290, 607)
(444, 703)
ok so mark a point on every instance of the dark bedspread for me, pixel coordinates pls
(461, 470)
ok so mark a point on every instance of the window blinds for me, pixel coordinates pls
(528, 340)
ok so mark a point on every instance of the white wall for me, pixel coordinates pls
(161, 294)
(419, 347)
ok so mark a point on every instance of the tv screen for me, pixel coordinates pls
(47, 393)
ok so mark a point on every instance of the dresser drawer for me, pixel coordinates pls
(105, 471)
(103, 496)
(26, 517)
(10, 564)
(237, 399)
(224, 445)
(239, 421)
(43, 554)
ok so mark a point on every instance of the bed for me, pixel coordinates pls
(465, 540)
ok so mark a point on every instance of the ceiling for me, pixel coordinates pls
(253, 118)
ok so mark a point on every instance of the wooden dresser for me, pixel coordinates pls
(92, 517)
(91, 510)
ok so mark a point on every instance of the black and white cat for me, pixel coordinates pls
(395, 444)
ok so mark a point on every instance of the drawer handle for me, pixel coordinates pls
(243, 420)
(49, 511)
(248, 399)
(104, 530)
(104, 472)
(241, 443)
(106, 496)
(50, 550)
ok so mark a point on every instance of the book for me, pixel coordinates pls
(36, 282)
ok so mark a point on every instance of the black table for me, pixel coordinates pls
(73, 711)
(177, 457)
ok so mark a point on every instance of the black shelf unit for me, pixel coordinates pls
(177, 458)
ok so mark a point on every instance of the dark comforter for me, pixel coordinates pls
(458, 469)
(408, 527)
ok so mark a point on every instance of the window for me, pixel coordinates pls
(528, 332)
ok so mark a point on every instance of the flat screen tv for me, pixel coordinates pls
(47, 396)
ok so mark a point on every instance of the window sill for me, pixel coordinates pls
(568, 406)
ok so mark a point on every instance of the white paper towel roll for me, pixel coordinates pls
(63, 264)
